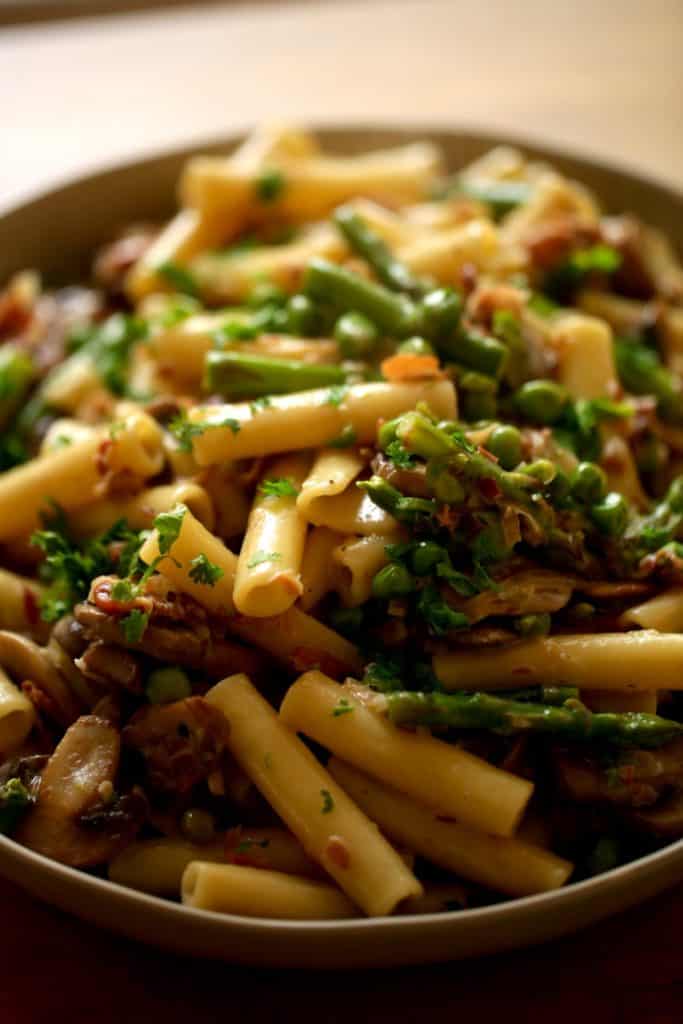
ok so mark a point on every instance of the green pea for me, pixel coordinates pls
(356, 335)
(588, 483)
(266, 294)
(347, 620)
(611, 514)
(393, 580)
(165, 685)
(605, 856)
(425, 556)
(303, 316)
(541, 401)
(560, 488)
(478, 405)
(505, 442)
(542, 470)
(440, 311)
(533, 625)
(445, 486)
(198, 825)
(416, 346)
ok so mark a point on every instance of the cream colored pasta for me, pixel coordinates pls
(619, 700)
(253, 892)
(19, 601)
(585, 356)
(507, 865)
(156, 866)
(359, 560)
(451, 781)
(329, 497)
(141, 510)
(63, 432)
(664, 612)
(300, 641)
(443, 254)
(332, 830)
(17, 716)
(78, 473)
(645, 660)
(309, 419)
(193, 540)
(317, 578)
(271, 848)
(268, 577)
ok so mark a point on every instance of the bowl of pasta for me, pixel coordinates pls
(341, 546)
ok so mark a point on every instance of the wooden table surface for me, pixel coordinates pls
(606, 78)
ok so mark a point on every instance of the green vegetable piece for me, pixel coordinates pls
(476, 350)
(266, 294)
(533, 625)
(542, 470)
(439, 312)
(541, 401)
(501, 196)
(270, 185)
(239, 375)
(260, 557)
(367, 244)
(642, 373)
(416, 347)
(15, 800)
(478, 406)
(278, 487)
(356, 335)
(328, 801)
(393, 580)
(345, 439)
(611, 514)
(16, 373)
(168, 526)
(394, 314)
(303, 318)
(572, 721)
(179, 277)
(605, 856)
(134, 626)
(166, 685)
(425, 556)
(438, 615)
(505, 442)
(202, 570)
(588, 483)
(406, 510)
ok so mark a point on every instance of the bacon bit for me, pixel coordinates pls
(488, 488)
(102, 457)
(305, 658)
(337, 852)
(469, 275)
(487, 299)
(31, 610)
(410, 366)
(448, 516)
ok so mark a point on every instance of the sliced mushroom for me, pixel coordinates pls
(664, 819)
(78, 778)
(526, 593)
(26, 661)
(636, 780)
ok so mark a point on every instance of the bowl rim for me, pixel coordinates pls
(621, 878)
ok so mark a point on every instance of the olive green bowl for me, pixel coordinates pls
(57, 233)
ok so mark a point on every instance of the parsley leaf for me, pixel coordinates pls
(270, 185)
(336, 395)
(110, 348)
(134, 626)
(259, 404)
(342, 707)
(438, 615)
(15, 799)
(205, 571)
(346, 439)
(278, 487)
(168, 526)
(399, 455)
(263, 556)
(328, 802)
(185, 430)
(181, 278)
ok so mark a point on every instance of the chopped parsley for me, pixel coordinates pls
(123, 591)
(69, 568)
(438, 615)
(109, 348)
(204, 571)
(259, 404)
(328, 802)
(181, 278)
(15, 800)
(270, 185)
(185, 430)
(336, 395)
(399, 455)
(278, 487)
(168, 526)
(342, 707)
(263, 556)
(346, 439)
(134, 626)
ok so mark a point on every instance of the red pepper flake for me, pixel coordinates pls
(488, 488)
(337, 852)
(102, 457)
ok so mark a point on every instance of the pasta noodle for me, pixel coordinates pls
(329, 826)
(316, 578)
(16, 715)
(451, 781)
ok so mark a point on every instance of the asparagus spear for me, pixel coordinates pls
(238, 375)
(395, 315)
(662, 525)
(367, 244)
(642, 373)
(402, 508)
(16, 371)
(501, 196)
(571, 721)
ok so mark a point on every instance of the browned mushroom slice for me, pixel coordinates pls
(27, 662)
(664, 819)
(526, 593)
(78, 778)
(181, 743)
(636, 779)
